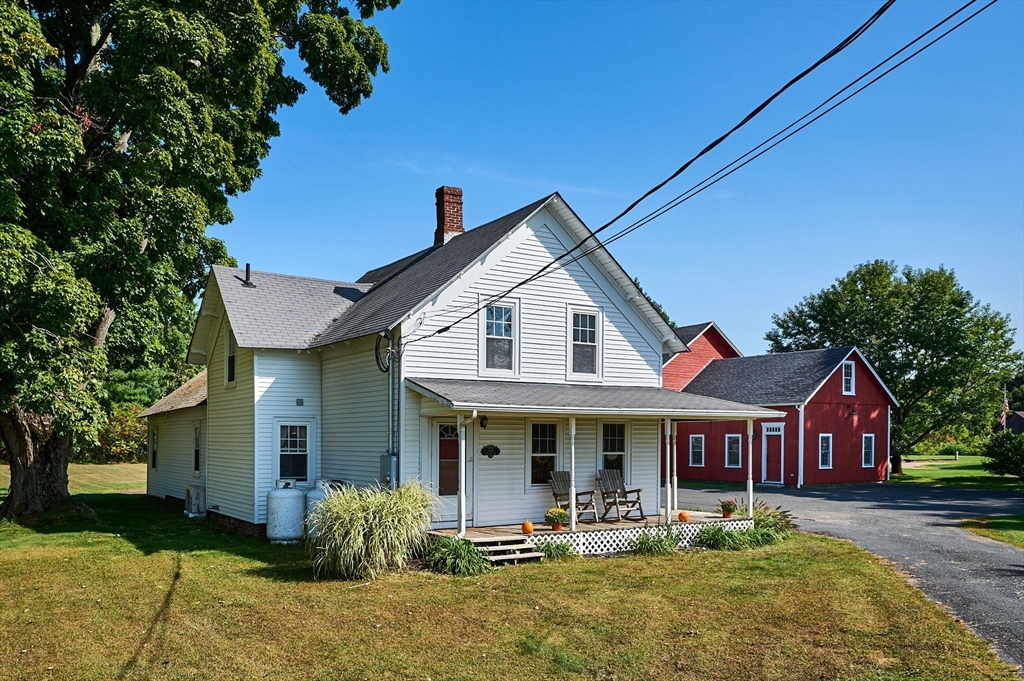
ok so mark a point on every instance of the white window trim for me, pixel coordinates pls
(517, 335)
(863, 439)
(227, 353)
(311, 449)
(853, 377)
(727, 438)
(197, 443)
(831, 451)
(560, 445)
(154, 446)
(570, 375)
(703, 451)
(627, 463)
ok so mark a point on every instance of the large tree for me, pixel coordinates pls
(943, 354)
(125, 126)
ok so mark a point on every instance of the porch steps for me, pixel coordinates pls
(507, 550)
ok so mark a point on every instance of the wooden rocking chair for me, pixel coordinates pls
(614, 495)
(585, 502)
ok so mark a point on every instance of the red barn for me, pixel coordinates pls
(836, 427)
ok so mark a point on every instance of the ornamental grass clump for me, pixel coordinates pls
(557, 550)
(453, 556)
(363, 533)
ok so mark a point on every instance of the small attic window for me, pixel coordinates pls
(229, 363)
(849, 386)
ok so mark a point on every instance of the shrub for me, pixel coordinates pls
(121, 439)
(556, 515)
(774, 519)
(1005, 452)
(453, 556)
(557, 550)
(717, 538)
(660, 542)
(366, 532)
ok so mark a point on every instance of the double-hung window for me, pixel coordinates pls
(197, 440)
(154, 438)
(697, 450)
(733, 451)
(849, 385)
(584, 344)
(294, 452)
(613, 447)
(867, 456)
(499, 341)
(825, 450)
(543, 452)
(229, 360)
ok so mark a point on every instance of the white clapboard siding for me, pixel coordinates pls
(355, 412)
(644, 462)
(629, 356)
(282, 377)
(175, 460)
(410, 466)
(231, 441)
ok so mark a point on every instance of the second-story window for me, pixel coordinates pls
(499, 342)
(849, 386)
(584, 343)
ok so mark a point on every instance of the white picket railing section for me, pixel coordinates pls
(596, 542)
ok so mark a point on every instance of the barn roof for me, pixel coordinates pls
(775, 379)
(191, 394)
(688, 334)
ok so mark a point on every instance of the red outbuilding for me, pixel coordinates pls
(837, 422)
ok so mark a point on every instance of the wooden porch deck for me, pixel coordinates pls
(541, 530)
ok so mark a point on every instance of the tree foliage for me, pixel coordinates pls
(125, 127)
(943, 354)
(1005, 452)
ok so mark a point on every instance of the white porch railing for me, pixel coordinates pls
(616, 540)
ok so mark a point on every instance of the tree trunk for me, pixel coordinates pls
(39, 464)
(897, 463)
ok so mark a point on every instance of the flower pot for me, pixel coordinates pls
(726, 514)
(684, 517)
(527, 527)
(557, 527)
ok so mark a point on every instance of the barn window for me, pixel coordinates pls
(613, 447)
(825, 450)
(543, 452)
(696, 450)
(499, 338)
(867, 459)
(294, 452)
(584, 347)
(733, 451)
(848, 379)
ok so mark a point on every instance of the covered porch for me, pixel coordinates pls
(496, 443)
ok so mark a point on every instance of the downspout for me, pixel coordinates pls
(800, 449)
(750, 468)
(572, 474)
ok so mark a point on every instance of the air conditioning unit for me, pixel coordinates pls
(195, 501)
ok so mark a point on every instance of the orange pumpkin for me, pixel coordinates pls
(527, 527)
(684, 517)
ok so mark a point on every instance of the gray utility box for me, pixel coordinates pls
(388, 471)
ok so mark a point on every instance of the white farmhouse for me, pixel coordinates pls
(440, 366)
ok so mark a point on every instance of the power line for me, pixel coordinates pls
(728, 169)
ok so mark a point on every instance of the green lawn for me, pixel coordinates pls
(1005, 528)
(139, 592)
(88, 478)
(967, 472)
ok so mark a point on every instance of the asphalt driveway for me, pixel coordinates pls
(980, 580)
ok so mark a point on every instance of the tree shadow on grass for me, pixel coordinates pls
(153, 526)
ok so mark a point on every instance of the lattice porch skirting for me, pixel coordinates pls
(594, 542)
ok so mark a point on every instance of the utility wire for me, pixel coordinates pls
(728, 169)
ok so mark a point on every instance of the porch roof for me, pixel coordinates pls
(558, 398)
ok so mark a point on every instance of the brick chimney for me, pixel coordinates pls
(449, 214)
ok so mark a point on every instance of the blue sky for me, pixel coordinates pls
(599, 101)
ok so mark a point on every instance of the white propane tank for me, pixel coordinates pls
(286, 510)
(321, 488)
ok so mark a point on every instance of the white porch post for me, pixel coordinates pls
(673, 466)
(750, 468)
(663, 469)
(462, 477)
(572, 474)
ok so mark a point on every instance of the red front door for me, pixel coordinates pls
(773, 458)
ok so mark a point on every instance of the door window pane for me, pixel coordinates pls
(448, 460)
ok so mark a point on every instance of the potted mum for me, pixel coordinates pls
(557, 517)
(728, 507)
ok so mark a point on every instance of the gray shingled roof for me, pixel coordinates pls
(282, 310)
(688, 333)
(191, 394)
(768, 380)
(578, 399)
(405, 283)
